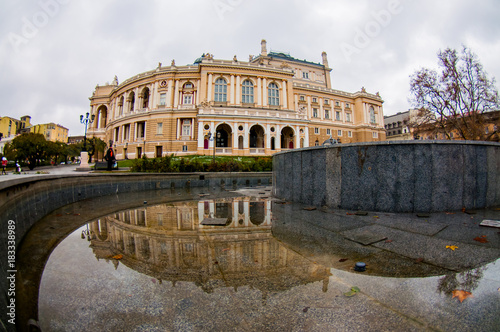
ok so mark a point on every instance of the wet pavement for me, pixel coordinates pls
(274, 266)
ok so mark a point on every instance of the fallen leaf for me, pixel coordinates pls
(461, 294)
(310, 208)
(450, 212)
(452, 247)
(419, 260)
(76, 214)
(388, 241)
(226, 249)
(463, 209)
(58, 215)
(342, 260)
(376, 217)
(481, 239)
(352, 292)
(154, 281)
(117, 257)
(305, 309)
(350, 214)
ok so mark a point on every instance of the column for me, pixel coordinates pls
(235, 136)
(268, 137)
(136, 99)
(178, 129)
(309, 110)
(198, 90)
(306, 137)
(238, 89)
(209, 90)
(157, 96)
(322, 115)
(264, 92)
(259, 92)
(200, 135)
(211, 142)
(176, 93)
(245, 136)
(192, 128)
(232, 90)
(169, 93)
(285, 97)
(296, 145)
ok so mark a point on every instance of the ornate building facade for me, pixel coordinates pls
(270, 103)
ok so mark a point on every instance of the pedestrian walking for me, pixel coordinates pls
(4, 165)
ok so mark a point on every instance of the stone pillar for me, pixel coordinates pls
(264, 92)
(259, 92)
(238, 89)
(84, 162)
(209, 90)
(176, 94)
(232, 90)
(198, 91)
(285, 97)
(201, 137)
(169, 93)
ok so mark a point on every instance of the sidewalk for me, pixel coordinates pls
(44, 171)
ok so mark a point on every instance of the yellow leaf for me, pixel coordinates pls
(452, 247)
(117, 257)
(461, 295)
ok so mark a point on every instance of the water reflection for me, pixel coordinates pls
(170, 243)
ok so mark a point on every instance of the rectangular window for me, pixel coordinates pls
(316, 130)
(315, 100)
(141, 126)
(305, 75)
(163, 98)
(188, 86)
(375, 134)
(327, 114)
(186, 127)
(337, 103)
(326, 101)
(347, 105)
(339, 132)
(302, 98)
(328, 132)
(159, 128)
(188, 99)
(337, 116)
(348, 117)
(315, 112)
(184, 148)
(349, 133)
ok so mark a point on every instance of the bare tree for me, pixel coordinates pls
(458, 99)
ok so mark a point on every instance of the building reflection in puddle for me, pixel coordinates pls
(169, 242)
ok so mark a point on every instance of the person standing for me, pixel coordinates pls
(110, 158)
(4, 165)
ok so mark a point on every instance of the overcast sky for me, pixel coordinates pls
(54, 52)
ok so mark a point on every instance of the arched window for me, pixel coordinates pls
(220, 90)
(145, 98)
(372, 115)
(273, 94)
(120, 105)
(247, 92)
(131, 100)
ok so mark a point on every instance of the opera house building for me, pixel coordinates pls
(269, 103)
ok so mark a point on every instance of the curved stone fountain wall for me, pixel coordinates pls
(396, 176)
(26, 200)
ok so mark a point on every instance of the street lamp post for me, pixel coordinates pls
(212, 138)
(84, 155)
(86, 121)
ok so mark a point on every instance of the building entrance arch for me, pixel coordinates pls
(256, 136)
(287, 136)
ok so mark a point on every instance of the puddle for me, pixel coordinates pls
(269, 266)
